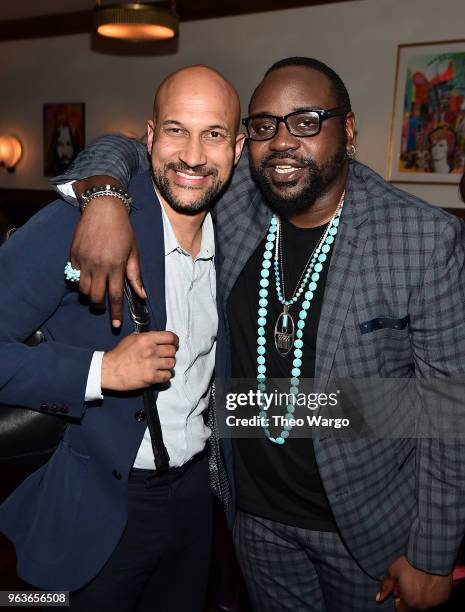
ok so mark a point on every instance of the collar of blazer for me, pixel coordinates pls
(147, 222)
(243, 217)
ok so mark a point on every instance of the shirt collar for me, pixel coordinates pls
(207, 245)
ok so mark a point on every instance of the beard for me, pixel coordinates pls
(319, 179)
(205, 200)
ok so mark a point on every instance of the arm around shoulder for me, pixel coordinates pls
(113, 155)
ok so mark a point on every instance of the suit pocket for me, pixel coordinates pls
(57, 506)
(383, 323)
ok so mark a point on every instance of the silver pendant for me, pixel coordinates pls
(284, 331)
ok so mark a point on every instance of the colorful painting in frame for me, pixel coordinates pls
(64, 136)
(428, 123)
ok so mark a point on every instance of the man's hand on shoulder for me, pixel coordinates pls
(418, 590)
(140, 360)
(104, 249)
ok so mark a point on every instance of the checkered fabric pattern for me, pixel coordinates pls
(218, 477)
(113, 155)
(395, 256)
(289, 569)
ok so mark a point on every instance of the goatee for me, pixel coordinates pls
(318, 180)
(205, 200)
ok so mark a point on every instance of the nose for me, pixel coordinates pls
(193, 153)
(284, 140)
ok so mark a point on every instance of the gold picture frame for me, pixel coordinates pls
(427, 141)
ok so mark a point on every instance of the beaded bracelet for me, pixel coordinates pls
(105, 190)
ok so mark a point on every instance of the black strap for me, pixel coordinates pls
(162, 459)
(141, 318)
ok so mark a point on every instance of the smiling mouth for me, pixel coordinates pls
(190, 180)
(285, 174)
(283, 169)
(191, 177)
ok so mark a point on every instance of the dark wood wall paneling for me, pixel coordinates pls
(458, 212)
(81, 21)
(18, 205)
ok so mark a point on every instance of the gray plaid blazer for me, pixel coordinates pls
(395, 257)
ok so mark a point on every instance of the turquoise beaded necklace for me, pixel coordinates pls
(286, 337)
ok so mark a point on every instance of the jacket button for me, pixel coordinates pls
(64, 409)
(53, 408)
(117, 474)
(44, 407)
(139, 416)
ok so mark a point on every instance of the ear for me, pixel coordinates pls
(350, 130)
(240, 141)
(150, 128)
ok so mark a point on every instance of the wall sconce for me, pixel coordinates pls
(11, 151)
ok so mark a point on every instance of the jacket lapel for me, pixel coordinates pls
(222, 358)
(242, 239)
(147, 222)
(345, 264)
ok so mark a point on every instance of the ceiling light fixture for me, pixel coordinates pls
(137, 21)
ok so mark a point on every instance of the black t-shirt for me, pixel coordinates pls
(281, 483)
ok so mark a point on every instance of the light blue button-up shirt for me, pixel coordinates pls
(190, 293)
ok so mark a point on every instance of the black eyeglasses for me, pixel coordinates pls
(299, 123)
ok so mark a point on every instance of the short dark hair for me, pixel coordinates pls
(339, 90)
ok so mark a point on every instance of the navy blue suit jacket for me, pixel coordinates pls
(67, 517)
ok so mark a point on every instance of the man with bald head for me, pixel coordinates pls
(101, 519)
(184, 98)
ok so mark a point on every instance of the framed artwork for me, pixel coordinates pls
(64, 136)
(427, 143)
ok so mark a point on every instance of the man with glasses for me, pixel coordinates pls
(328, 272)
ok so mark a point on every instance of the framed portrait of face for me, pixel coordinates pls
(64, 135)
(427, 143)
